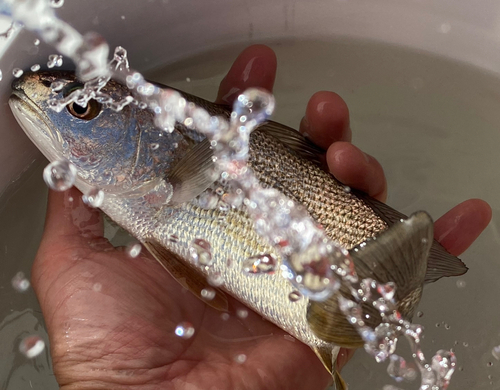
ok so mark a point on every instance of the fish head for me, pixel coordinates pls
(116, 151)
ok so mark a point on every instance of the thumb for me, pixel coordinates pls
(70, 223)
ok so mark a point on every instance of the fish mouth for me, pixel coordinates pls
(36, 125)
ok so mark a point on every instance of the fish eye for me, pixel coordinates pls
(90, 111)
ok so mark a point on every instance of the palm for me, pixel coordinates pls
(110, 310)
(111, 318)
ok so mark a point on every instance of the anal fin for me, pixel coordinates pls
(187, 276)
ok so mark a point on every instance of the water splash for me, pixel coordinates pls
(94, 197)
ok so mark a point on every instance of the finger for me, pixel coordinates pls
(326, 120)
(70, 220)
(254, 67)
(357, 169)
(343, 357)
(458, 228)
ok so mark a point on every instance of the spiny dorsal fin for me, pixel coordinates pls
(294, 140)
(187, 276)
(193, 174)
(397, 255)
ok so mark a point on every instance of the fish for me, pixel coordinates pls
(124, 155)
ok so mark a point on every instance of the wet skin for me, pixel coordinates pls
(122, 337)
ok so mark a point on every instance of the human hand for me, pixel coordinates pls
(111, 318)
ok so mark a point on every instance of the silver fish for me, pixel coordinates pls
(113, 151)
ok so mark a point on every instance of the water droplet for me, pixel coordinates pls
(200, 252)
(32, 346)
(35, 68)
(447, 327)
(242, 313)
(134, 249)
(240, 358)
(94, 197)
(424, 240)
(496, 352)
(56, 86)
(155, 146)
(160, 194)
(224, 316)
(97, 287)
(56, 3)
(215, 279)
(261, 264)
(122, 17)
(188, 79)
(294, 296)
(55, 60)
(438, 324)
(36, 42)
(208, 200)
(490, 364)
(253, 106)
(465, 344)
(16, 72)
(59, 175)
(184, 330)
(461, 283)
(1, 75)
(347, 189)
(208, 294)
(20, 283)
(420, 314)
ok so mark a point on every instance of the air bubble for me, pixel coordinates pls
(94, 197)
(490, 364)
(461, 283)
(32, 346)
(35, 68)
(60, 175)
(155, 146)
(242, 313)
(36, 42)
(20, 282)
(133, 250)
(208, 200)
(420, 314)
(97, 287)
(184, 330)
(16, 72)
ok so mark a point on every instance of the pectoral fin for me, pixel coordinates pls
(187, 276)
(397, 255)
(193, 174)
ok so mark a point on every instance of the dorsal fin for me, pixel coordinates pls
(187, 276)
(193, 174)
(397, 255)
(293, 140)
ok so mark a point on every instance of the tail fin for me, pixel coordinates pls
(397, 255)
(440, 263)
